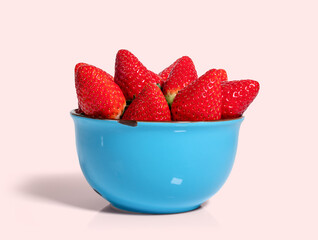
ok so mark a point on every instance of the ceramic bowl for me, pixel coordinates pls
(156, 167)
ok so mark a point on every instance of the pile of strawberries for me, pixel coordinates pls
(176, 93)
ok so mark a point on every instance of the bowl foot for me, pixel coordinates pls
(155, 210)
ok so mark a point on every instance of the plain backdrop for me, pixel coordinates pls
(272, 190)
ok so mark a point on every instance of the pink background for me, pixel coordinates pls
(272, 190)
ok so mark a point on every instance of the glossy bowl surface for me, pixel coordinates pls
(156, 167)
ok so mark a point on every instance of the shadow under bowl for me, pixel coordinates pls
(156, 167)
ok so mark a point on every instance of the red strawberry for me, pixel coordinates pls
(237, 96)
(110, 77)
(222, 74)
(150, 105)
(77, 66)
(180, 76)
(98, 95)
(200, 100)
(165, 73)
(131, 75)
(157, 78)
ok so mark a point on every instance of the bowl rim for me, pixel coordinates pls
(133, 122)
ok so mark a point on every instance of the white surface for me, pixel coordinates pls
(272, 190)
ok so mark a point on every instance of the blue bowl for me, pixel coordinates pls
(156, 167)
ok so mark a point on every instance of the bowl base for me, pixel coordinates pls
(154, 210)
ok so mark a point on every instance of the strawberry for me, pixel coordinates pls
(180, 76)
(77, 66)
(200, 100)
(110, 77)
(164, 74)
(222, 74)
(98, 95)
(131, 75)
(149, 105)
(237, 96)
(158, 79)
